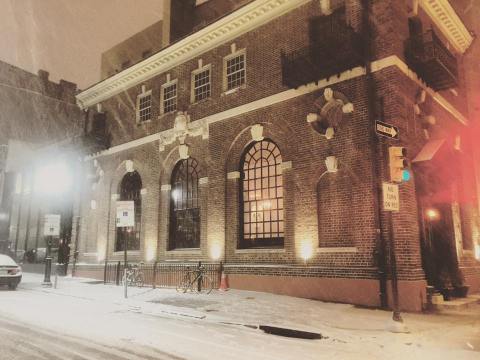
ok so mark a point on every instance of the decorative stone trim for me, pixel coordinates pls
(166, 187)
(233, 175)
(133, 253)
(259, 251)
(245, 19)
(203, 181)
(115, 197)
(447, 20)
(184, 252)
(90, 254)
(323, 250)
(168, 136)
(143, 191)
(286, 165)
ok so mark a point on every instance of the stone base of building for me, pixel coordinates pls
(474, 282)
(364, 292)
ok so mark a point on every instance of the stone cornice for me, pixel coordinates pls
(243, 20)
(447, 20)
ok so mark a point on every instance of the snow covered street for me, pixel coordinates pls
(90, 320)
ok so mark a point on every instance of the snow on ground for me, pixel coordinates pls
(200, 326)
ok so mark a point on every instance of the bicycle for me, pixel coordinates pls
(196, 281)
(135, 276)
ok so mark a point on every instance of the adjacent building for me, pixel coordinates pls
(261, 135)
(38, 121)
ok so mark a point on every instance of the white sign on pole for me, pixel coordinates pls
(391, 197)
(51, 225)
(125, 213)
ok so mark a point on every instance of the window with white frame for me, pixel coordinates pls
(169, 97)
(144, 106)
(201, 84)
(234, 70)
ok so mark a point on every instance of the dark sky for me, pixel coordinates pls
(66, 37)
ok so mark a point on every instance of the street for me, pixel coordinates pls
(84, 319)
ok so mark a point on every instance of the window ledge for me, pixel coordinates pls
(322, 250)
(201, 101)
(129, 252)
(194, 251)
(259, 251)
(140, 123)
(233, 91)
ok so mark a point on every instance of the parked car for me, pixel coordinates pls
(10, 272)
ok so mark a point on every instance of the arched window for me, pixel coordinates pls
(185, 206)
(261, 196)
(130, 188)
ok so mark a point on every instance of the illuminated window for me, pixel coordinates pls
(130, 188)
(261, 196)
(185, 206)
(234, 66)
(169, 97)
(201, 84)
(144, 107)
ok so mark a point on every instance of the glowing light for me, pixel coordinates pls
(53, 179)
(406, 176)
(215, 251)
(433, 214)
(477, 251)
(176, 194)
(101, 249)
(306, 250)
(150, 254)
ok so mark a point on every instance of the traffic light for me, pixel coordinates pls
(398, 164)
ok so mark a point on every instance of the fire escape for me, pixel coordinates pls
(432, 61)
(334, 47)
(96, 138)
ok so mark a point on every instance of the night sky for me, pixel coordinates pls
(67, 37)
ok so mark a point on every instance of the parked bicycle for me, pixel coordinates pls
(196, 280)
(135, 276)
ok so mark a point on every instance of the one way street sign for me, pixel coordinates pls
(387, 130)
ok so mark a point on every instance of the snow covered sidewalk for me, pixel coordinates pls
(454, 334)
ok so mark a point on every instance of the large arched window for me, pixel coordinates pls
(185, 206)
(130, 188)
(261, 196)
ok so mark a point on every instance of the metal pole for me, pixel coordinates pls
(48, 263)
(393, 270)
(125, 283)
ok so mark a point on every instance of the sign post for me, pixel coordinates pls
(125, 219)
(51, 228)
(391, 202)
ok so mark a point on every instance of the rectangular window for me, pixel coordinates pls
(201, 84)
(169, 97)
(235, 70)
(144, 107)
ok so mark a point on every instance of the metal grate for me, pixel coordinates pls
(262, 217)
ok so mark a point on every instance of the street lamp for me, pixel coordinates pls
(52, 180)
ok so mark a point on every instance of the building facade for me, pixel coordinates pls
(261, 138)
(38, 121)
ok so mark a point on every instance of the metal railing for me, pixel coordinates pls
(163, 275)
(423, 51)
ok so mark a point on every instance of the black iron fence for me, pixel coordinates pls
(164, 275)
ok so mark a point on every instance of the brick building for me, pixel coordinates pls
(39, 118)
(251, 139)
